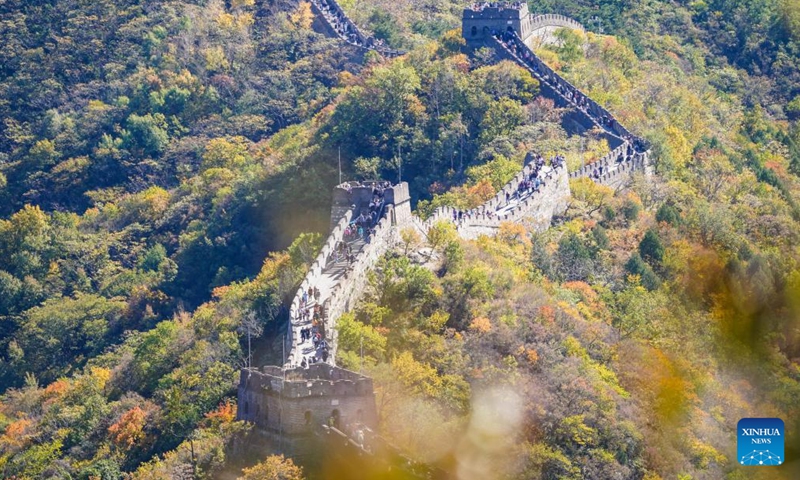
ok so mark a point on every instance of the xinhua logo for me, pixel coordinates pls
(760, 441)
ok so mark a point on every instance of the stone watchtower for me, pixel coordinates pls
(481, 19)
(296, 402)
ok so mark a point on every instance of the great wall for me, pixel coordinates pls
(298, 397)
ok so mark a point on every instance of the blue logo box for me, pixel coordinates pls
(759, 442)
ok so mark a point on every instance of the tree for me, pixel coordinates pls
(570, 45)
(441, 234)
(303, 17)
(501, 118)
(667, 213)
(589, 196)
(651, 249)
(637, 310)
(274, 467)
(636, 266)
(793, 107)
(574, 259)
(146, 134)
(44, 153)
(65, 332)
(26, 243)
(152, 258)
(129, 429)
(352, 334)
(498, 171)
(507, 80)
(600, 237)
(410, 238)
(230, 153)
(453, 41)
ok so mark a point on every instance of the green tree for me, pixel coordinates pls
(650, 248)
(146, 134)
(44, 153)
(668, 214)
(570, 45)
(65, 332)
(153, 257)
(501, 118)
(636, 266)
(574, 258)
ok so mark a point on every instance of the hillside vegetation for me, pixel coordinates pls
(165, 178)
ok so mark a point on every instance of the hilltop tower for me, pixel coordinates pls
(295, 402)
(480, 20)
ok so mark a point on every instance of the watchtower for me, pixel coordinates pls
(480, 20)
(296, 402)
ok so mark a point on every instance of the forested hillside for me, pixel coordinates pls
(165, 175)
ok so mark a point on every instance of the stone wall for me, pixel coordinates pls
(348, 200)
(351, 286)
(553, 86)
(294, 401)
(337, 23)
(552, 20)
(536, 210)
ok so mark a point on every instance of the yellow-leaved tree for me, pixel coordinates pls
(274, 467)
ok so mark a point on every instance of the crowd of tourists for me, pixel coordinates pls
(310, 309)
(626, 155)
(535, 180)
(311, 312)
(481, 6)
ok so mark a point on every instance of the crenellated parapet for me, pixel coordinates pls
(554, 20)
